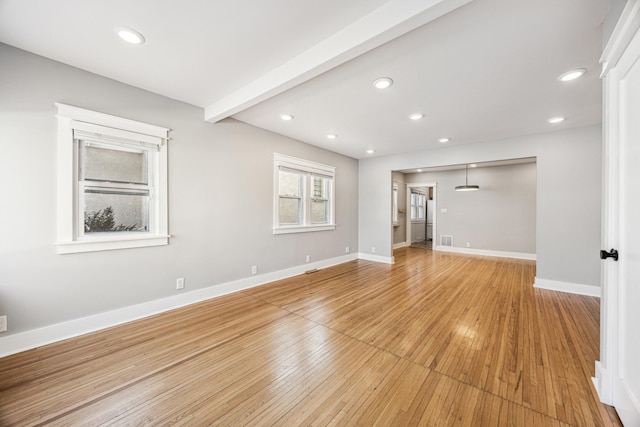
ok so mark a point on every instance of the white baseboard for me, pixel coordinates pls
(27, 340)
(400, 245)
(602, 383)
(486, 252)
(376, 258)
(572, 288)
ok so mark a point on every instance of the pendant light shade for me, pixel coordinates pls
(466, 186)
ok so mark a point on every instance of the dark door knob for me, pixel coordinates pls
(611, 254)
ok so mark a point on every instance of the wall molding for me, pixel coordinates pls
(376, 258)
(27, 340)
(400, 245)
(572, 288)
(486, 252)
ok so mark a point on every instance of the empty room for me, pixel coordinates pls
(382, 212)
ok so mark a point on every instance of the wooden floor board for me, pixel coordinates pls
(435, 339)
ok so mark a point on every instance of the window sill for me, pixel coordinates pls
(304, 229)
(111, 243)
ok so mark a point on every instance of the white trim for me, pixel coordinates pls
(376, 258)
(486, 252)
(602, 383)
(93, 117)
(628, 24)
(49, 334)
(568, 287)
(69, 217)
(288, 229)
(400, 245)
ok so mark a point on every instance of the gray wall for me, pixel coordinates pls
(499, 217)
(609, 24)
(220, 200)
(567, 201)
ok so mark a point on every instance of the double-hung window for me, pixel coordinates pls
(418, 202)
(304, 195)
(112, 182)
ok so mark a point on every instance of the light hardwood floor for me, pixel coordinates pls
(436, 339)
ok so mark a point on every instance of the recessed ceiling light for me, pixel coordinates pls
(554, 120)
(572, 75)
(332, 136)
(382, 82)
(416, 116)
(286, 117)
(370, 151)
(129, 35)
(444, 140)
(472, 165)
(418, 170)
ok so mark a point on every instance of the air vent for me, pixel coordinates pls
(446, 240)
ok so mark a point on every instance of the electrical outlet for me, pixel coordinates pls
(254, 269)
(308, 258)
(3, 323)
(468, 244)
(373, 249)
(347, 250)
(180, 283)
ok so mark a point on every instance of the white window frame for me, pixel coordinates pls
(74, 123)
(308, 169)
(394, 203)
(419, 207)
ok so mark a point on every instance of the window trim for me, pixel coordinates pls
(310, 169)
(113, 128)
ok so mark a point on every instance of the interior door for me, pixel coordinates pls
(627, 382)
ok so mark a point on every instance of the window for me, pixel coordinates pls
(304, 195)
(395, 203)
(112, 182)
(418, 202)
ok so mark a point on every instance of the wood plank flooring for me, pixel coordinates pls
(436, 339)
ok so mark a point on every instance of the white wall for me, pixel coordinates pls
(220, 200)
(567, 200)
(499, 217)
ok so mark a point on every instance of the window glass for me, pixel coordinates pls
(103, 163)
(108, 210)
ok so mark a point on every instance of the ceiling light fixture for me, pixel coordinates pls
(382, 82)
(370, 151)
(466, 186)
(418, 170)
(473, 165)
(572, 75)
(554, 120)
(416, 116)
(332, 136)
(286, 117)
(129, 35)
(444, 140)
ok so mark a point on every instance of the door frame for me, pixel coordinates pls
(617, 59)
(407, 216)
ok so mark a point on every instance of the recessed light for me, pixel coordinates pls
(332, 136)
(129, 35)
(472, 165)
(416, 116)
(382, 82)
(286, 117)
(370, 151)
(418, 170)
(572, 75)
(554, 120)
(444, 140)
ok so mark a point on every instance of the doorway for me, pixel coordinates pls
(421, 218)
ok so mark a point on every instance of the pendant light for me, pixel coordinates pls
(466, 186)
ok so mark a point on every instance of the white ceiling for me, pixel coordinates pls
(479, 69)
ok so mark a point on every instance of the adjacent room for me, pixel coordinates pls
(380, 212)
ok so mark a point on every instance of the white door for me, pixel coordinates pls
(621, 284)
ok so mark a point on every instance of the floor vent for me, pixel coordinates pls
(446, 240)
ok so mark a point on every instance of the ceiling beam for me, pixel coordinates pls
(391, 20)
